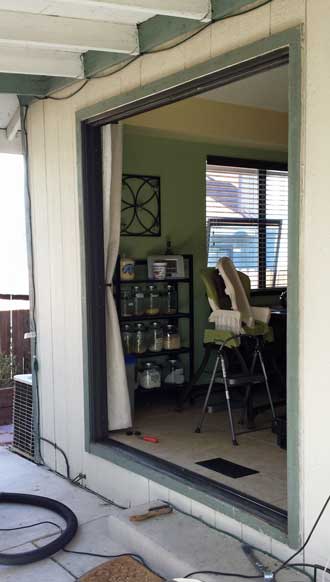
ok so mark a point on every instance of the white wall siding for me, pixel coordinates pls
(42, 258)
(315, 316)
(52, 140)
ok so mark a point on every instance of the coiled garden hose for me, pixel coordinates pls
(54, 546)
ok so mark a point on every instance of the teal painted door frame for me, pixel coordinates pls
(292, 40)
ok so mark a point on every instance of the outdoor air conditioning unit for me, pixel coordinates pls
(23, 441)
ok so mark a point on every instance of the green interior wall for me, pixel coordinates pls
(181, 166)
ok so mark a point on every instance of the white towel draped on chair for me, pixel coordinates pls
(227, 320)
(119, 411)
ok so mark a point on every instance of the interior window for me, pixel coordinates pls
(247, 220)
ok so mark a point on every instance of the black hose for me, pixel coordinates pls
(48, 550)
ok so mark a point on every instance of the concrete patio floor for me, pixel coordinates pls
(172, 545)
(6, 434)
(20, 475)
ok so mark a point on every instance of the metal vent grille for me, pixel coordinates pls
(23, 441)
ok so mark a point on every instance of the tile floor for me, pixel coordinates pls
(179, 444)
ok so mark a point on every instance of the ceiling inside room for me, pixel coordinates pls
(267, 90)
(251, 112)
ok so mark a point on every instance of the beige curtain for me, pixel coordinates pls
(119, 412)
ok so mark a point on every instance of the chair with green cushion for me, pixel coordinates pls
(228, 293)
(217, 298)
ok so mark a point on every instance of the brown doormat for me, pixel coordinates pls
(124, 569)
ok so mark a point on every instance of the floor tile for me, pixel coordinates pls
(19, 515)
(93, 537)
(178, 443)
(23, 476)
(44, 571)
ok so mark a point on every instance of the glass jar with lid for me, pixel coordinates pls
(156, 337)
(153, 300)
(172, 340)
(170, 300)
(140, 339)
(138, 300)
(127, 337)
(126, 303)
(174, 372)
(150, 376)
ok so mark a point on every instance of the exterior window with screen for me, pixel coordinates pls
(247, 218)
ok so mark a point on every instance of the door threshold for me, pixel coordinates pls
(270, 514)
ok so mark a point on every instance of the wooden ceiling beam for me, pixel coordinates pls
(32, 61)
(55, 32)
(225, 8)
(194, 9)
(112, 9)
(29, 85)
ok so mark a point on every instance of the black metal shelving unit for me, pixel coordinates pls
(187, 314)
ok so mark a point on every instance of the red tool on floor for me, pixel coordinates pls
(149, 439)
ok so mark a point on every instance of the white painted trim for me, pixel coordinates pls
(14, 125)
(115, 10)
(194, 9)
(31, 61)
(10, 147)
(23, 29)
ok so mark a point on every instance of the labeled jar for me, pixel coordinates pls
(170, 300)
(152, 301)
(172, 340)
(127, 305)
(127, 337)
(156, 337)
(140, 339)
(150, 377)
(138, 300)
(174, 372)
(159, 270)
(127, 269)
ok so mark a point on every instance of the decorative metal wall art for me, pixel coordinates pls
(140, 206)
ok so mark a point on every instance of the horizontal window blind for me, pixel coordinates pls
(247, 220)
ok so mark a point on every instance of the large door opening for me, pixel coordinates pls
(211, 206)
(219, 163)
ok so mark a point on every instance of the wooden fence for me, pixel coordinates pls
(13, 325)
